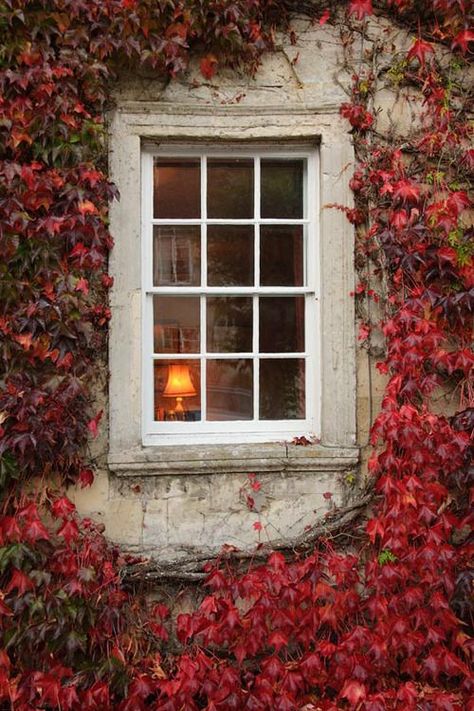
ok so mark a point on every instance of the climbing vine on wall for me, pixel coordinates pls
(384, 626)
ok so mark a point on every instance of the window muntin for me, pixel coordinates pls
(229, 292)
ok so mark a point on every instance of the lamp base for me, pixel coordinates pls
(179, 412)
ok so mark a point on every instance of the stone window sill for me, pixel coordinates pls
(239, 458)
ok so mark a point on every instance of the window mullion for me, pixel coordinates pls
(203, 224)
(256, 303)
(231, 355)
(228, 221)
(203, 300)
(256, 362)
(148, 375)
(203, 357)
(257, 219)
(311, 230)
(231, 290)
(147, 223)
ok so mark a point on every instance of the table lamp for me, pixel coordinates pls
(179, 385)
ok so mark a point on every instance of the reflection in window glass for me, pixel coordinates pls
(177, 390)
(282, 324)
(176, 255)
(282, 188)
(229, 324)
(230, 253)
(229, 389)
(176, 324)
(177, 188)
(282, 389)
(281, 255)
(230, 188)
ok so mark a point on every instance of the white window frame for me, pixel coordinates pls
(246, 431)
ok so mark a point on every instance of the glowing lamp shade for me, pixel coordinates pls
(179, 382)
(179, 385)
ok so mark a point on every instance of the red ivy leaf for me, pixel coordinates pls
(419, 50)
(35, 531)
(98, 696)
(20, 581)
(208, 66)
(324, 17)
(301, 441)
(161, 610)
(353, 691)
(141, 686)
(69, 531)
(278, 640)
(11, 529)
(374, 528)
(360, 8)
(448, 254)
(82, 285)
(407, 694)
(184, 627)
(86, 478)
(93, 425)
(48, 686)
(86, 207)
(18, 136)
(62, 507)
(106, 281)
(358, 116)
(68, 697)
(406, 191)
(277, 561)
(463, 39)
(273, 667)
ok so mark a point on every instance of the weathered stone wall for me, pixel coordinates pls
(173, 504)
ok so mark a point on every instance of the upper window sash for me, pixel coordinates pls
(309, 219)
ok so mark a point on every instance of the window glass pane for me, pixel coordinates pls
(230, 188)
(281, 255)
(282, 188)
(229, 389)
(230, 255)
(229, 324)
(177, 256)
(177, 390)
(282, 389)
(176, 324)
(177, 188)
(282, 324)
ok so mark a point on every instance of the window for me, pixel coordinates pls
(230, 286)
(144, 131)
